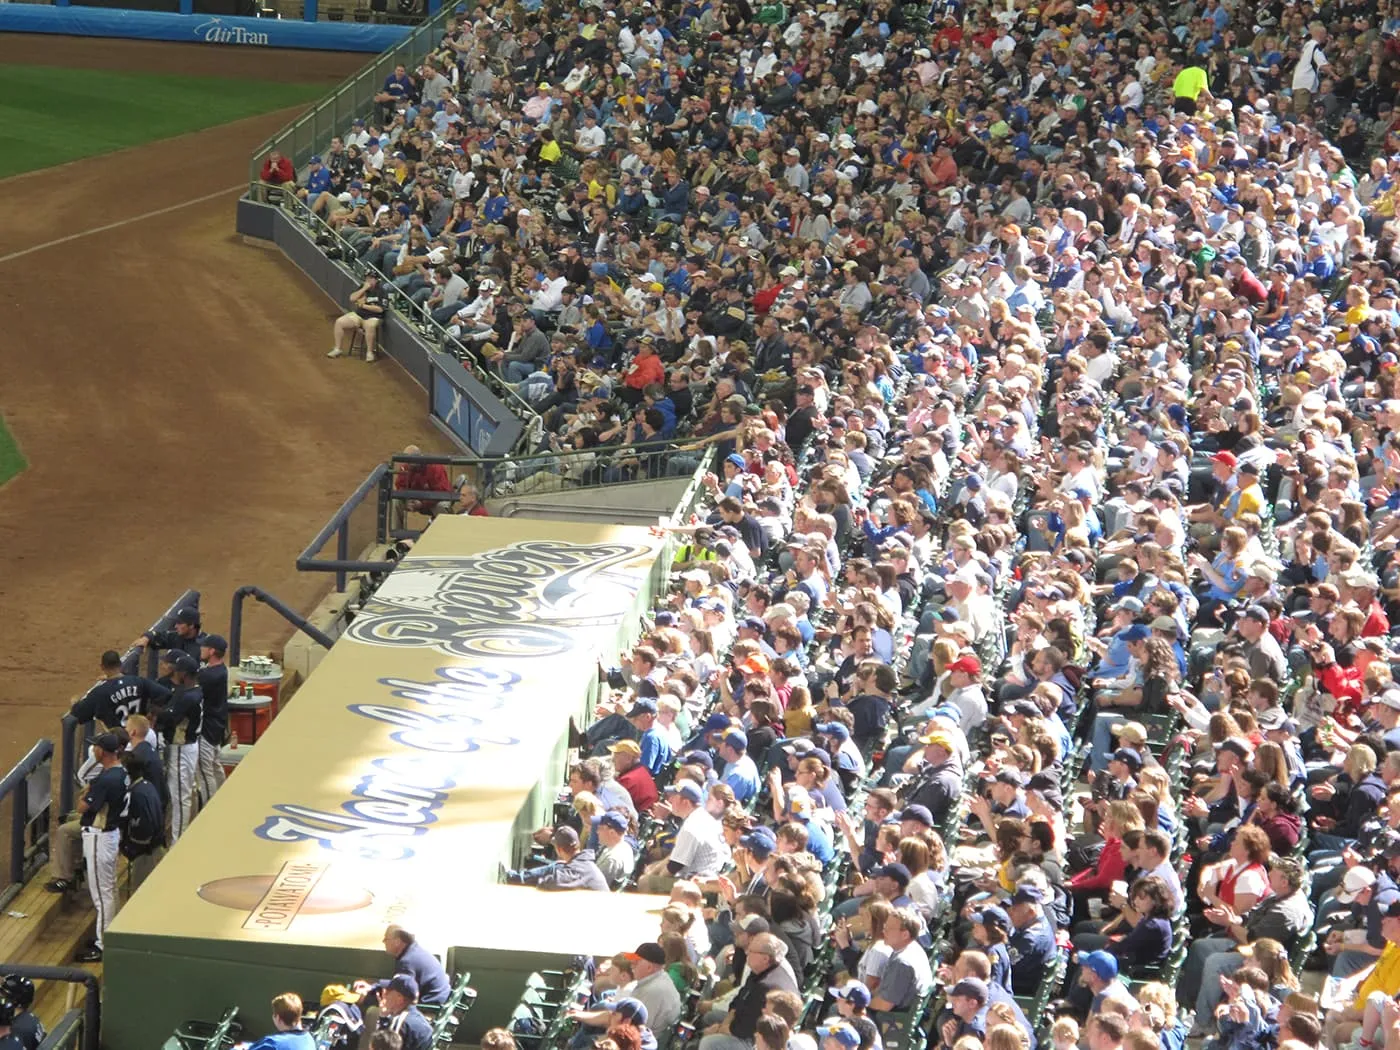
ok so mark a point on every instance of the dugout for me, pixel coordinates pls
(414, 761)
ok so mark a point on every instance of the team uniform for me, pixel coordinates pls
(213, 730)
(112, 700)
(101, 836)
(179, 725)
(142, 828)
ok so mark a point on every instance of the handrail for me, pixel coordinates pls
(404, 50)
(235, 620)
(419, 317)
(15, 786)
(131, 659)
(61, 1036)
(68, 764)
(92, 995)
(339, 526)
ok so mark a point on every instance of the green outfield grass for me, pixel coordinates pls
(51, 116)
(11, 458)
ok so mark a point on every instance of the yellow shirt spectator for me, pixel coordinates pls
(1384, 978)
(1190, 82)
(550, 152)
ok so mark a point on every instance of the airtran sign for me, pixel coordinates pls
(217, 31)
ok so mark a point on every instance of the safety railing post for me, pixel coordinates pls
(19, 822)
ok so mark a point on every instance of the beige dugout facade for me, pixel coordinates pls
(410, 766)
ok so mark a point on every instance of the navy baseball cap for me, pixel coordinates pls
(716, 722)
(698, 758)
(109, 742)
(687, 789)
(993, 915)
(181, 661)
(1028, 894)
(616, 821)
(836, 729)
(920, 814)
(761, 842)
(1137, 633)
(737, 740)
(215, 642)
(853, 992)
(898, 872)
(188, 615)
(405, 985)
(630, 1009)
(644, 706)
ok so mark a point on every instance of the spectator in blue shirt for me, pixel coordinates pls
(286, 1019)
(656, 753)
(740, 772)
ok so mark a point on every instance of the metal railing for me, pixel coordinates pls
(353, 97)
(418, 317)
(67, 1034)
(131, 659)
(89, 1020)
(28, 792)
(281, 608)
(498, 477)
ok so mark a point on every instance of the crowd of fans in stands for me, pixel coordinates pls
(1027, 676)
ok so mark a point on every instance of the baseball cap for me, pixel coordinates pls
(918, 813)
(1228, 458)
(898, 872)
(187, 615)
(215, 642)
(109, 742)
(993, 915)
(972, 987)
(1028, 894)
(835, 729)
(737, 740)
(760, 841)
(687, 789)
(630, 1009)
(853, 992)
(698, 758)
(1129, 757)
(1257, 613)
(716, 722)
(1010, 776)
(967, 665)
(181, 661)
(1130, 603)
(616, 821)
(842, 1032)
(651, 952)
(1357, 881)
(565, 836)
(405, 985)
(1137, 633)
(1273, 718)
(938, 739)
(1101, 964)
(1233, 743)
(644, 706)
(630, 747)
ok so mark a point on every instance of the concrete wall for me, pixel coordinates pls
(636, 504)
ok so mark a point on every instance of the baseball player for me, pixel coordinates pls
(117, 695)
(26, 1027)
(213, 726)
(178, 724)
(142, 822)
(97, 831)
(184, 637)
(142, 746)
(8, 1039)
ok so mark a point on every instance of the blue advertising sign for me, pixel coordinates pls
(228, 30)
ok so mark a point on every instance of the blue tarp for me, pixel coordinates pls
(228, 30)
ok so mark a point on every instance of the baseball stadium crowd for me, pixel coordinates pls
(1028, 673)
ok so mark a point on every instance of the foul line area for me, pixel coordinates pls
(120, 223)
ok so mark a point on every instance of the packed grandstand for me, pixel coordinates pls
(1027, 674)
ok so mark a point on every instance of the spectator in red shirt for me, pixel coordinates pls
(646, 368)
(631, 774)
(469, 502)
(1361, 588)
(1243, 282)
(420, 477)
(278, 169)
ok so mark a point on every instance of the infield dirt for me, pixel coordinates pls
(169, 387)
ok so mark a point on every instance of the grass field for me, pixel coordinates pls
(11, 458)
(51, 116)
